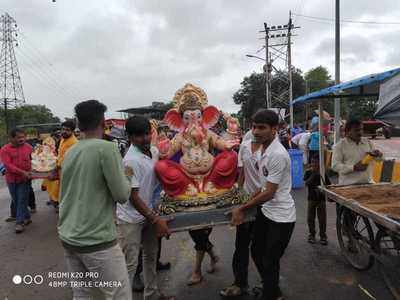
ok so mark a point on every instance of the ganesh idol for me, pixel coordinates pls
(188, 167)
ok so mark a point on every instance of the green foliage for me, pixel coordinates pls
(360, 108)
(317, 78)
(24, 115)
(251, 96)
(29, 114)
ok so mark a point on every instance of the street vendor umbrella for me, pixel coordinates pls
(388, 110)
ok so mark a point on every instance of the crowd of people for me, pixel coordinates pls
(108, 219)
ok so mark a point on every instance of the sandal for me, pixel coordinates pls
(231, 291)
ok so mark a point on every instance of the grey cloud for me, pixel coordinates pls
(352, 48)
(130, 53)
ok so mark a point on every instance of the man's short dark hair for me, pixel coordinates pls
(69, 124)
(89, 114)
(351, 124)
(15, 131)
(266, 116)
(137, 126)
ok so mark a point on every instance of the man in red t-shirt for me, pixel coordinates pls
(16, 157)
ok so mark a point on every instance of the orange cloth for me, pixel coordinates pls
(65, 144)
(53, 187)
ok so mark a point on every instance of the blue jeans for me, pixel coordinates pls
(19, 200)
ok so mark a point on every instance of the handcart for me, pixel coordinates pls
(368, 227)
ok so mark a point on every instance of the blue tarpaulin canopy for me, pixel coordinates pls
(361, 87)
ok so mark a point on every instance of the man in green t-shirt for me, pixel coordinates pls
(92, 181)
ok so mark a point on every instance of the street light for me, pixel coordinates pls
(254, 56)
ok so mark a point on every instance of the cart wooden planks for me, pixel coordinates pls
(368, 227)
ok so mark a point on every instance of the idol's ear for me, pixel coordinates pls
(174, 120)
(210, 116)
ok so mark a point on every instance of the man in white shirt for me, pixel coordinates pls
(248, 136)
(249, 154)
(275, 220)
(138, 224)
(303, 145)
(348, 154)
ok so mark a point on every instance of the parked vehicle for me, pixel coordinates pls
(375, 128)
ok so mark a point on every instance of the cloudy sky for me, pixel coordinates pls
(128, 53)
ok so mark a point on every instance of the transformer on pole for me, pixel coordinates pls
(278, 53)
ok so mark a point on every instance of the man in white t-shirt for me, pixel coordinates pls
(276, 218)
(249, 155)
(138, 224)
(303, 145)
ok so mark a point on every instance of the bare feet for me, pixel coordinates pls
(196, 278)
(213, 264)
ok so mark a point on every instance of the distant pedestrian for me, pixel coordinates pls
(316, 202)
(284, 136)
(313, 143)
(16, 157)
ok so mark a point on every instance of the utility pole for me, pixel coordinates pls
(337, 70)
(277, 57)
(267, 69)
(11, 92)
(290, 69)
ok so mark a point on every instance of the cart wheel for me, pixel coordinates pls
(388, 248)
(355, 238)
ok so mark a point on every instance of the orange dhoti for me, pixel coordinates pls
(175, 181)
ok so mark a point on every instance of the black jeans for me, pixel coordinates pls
(240, 262)
(268, 245)
(312, 154)
(317, 208)
(32, 200)
(201, 240)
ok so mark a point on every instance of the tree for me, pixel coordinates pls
(317, 79)
(251, 96)
(24, 115)
(360, 108)
(30, 114)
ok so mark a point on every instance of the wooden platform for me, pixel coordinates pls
(185, 221)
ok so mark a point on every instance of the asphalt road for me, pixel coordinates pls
(307, 271)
